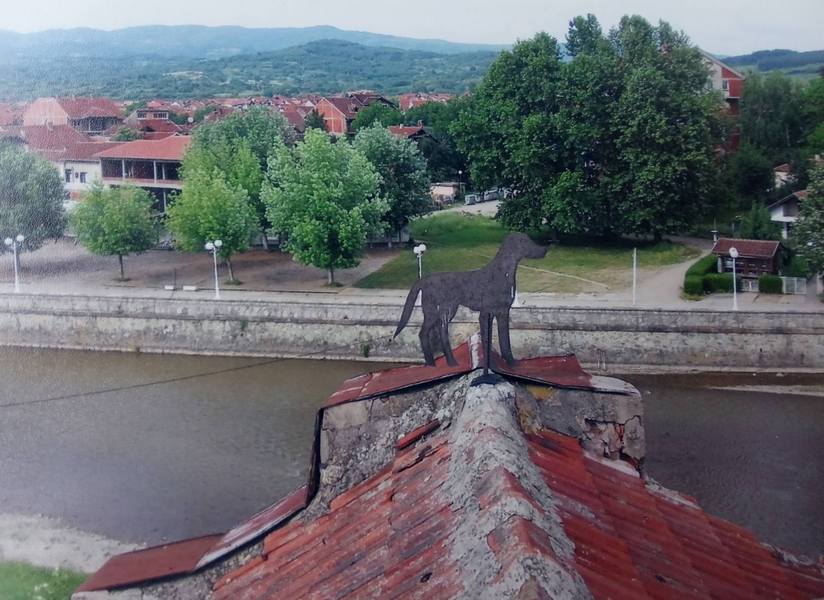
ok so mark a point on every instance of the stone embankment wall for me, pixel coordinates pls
(608, 339)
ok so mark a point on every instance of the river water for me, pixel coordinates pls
(149, 448)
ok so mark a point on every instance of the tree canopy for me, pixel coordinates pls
(404, 178)
(809, 230)
(377, 112)
(116, 222)
(322, 199)
(208, 209)
(772, 118)
(618, 140)
(31, 198)
(444, 159)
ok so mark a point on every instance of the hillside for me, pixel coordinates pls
(325, 66)
(802, 64)
(196, 41)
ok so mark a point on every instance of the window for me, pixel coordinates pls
(67, 175)
(82, 177)
(725, 85)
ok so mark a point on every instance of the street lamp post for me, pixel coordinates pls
(419, 250)
(734, 255)
(13, 244)
(214, 247)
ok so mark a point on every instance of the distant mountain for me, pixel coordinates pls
(805, 64)
(196, 41)
(324, 66)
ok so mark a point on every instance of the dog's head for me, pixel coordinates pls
(521, 246)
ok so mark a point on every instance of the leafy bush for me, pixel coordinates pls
(694, 285)
(718, 282)
(702, 266)
(770, 284)
(797, 267)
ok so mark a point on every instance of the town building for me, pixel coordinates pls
(152, 124)
(785, 211)
(407, 101)
(412, 132)
(338, 112)
(153, 165)
(422, 485)
(92, 116)
(783, 175)
(445, 192)
(755, 257)
(730, 83)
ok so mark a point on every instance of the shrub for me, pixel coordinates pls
(718, 282)
(694, 285)
(797, 267)
(770, 284)
(702, 266)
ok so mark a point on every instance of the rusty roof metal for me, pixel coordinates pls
(158, 562)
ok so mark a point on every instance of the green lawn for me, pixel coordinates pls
(20, 581)
(460, 242)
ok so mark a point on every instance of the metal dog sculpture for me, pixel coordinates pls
(490, 290)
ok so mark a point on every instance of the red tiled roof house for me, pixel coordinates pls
(92, 116)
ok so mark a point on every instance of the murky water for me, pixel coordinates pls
(146, 448)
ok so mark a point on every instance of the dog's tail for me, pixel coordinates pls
(408, 307)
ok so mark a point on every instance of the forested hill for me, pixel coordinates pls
(196, 41)
(793, 63)
(325, 67)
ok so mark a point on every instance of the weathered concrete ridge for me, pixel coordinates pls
(362, 330)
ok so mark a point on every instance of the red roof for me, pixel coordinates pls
(295, 119)
(61, 142)
(783, 168)
(345, 105)
(746, 248)
(81, 108)
(169, 148)
(406, 130)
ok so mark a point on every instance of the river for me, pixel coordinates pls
(149, 448)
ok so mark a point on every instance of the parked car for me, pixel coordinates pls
(493, 194)
(472, 199)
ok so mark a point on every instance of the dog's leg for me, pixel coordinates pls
(425, 335)
(447, 347)
(503, 337)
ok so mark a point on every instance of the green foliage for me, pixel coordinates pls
(442, 155)
(322, 199)
(809, 230)
(379, 113)
(619, 140)
(126, 134)
(20, 581)
(718, 282)
(314, 120)
(210, 209)
(404, 180)
(704, 265)
(757, 225)
(770, 284)
(771, 115)
(31, 198)
(116, 222)
(239, 147)
(752, 172)
(796, 267)
(694, 285)
(201, 113)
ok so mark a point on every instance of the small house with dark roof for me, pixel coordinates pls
(755, 257)
(785, 211)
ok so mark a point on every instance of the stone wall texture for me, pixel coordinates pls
(603, 338)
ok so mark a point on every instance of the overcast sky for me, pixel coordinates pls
(720, 26)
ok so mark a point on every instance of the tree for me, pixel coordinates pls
(239, 147)
(127, 134)
(757, 225)
(210, 209)
(116, 222)
(771, 112)
(809, 230)
(377, 112)
(314, 120)
(323, 201)
(752, 172)
(618, 140)
(444, 159)
(404, 178)
(31, 198)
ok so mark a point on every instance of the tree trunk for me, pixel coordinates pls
(231, 272)
(120, 260)
(331, 276)
(264, 238)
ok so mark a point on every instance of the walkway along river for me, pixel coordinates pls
(146, 448)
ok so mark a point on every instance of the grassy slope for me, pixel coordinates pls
(457, 242)
(20, 581)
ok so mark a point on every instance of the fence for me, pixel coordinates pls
(794, 285)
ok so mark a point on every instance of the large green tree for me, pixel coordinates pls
(323, 201)
(116, 222)
(618, 140)
(377, 112)
(31, 198)
(208, 209)
(404, 178)
(239, 147)
(446, 162)
(772, 117)
(809, 230)
(757, 224)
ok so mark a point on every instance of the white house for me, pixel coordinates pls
(785, 211)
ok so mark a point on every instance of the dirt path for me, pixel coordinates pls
(46, 542)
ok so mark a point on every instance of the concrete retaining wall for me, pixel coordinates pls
(602, 337)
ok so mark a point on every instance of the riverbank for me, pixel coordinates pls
(361, 328)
